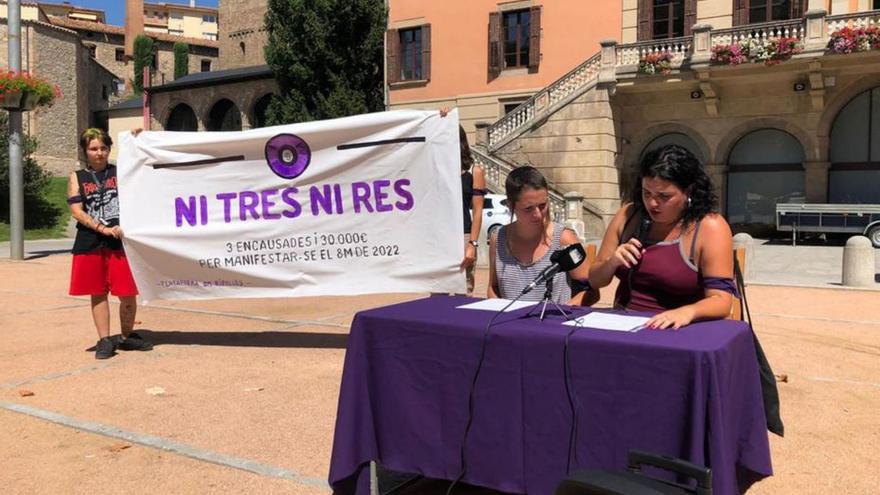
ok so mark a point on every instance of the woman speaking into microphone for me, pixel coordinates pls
(521, 250)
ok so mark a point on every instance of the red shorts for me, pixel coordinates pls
(98, 272)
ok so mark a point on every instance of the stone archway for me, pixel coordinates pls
(259, 108)
(181, 118)
(765, 167)
(224, 115)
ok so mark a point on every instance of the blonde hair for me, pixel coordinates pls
(94, 133)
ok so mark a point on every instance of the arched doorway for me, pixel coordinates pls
(765, 167)
(678, 138)
(224, 116)
(854, 175)
(182, 118)
(260, 108)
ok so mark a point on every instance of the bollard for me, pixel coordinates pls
(858, 262)
(745, 241)
(574, 214)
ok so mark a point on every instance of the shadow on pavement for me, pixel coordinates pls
(308, 340)
(34, 255)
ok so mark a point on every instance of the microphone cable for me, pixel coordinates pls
(473, 387)
(570, 393)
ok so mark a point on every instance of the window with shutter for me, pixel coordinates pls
(516, 38)
(753, 11)
(661, 19)
(534, 39)
(495, 55)
(392, 56)
(410, 54)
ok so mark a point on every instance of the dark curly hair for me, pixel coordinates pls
(676, 164)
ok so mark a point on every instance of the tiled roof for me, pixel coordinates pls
(215, 78)
(100, 27)
(133, 102)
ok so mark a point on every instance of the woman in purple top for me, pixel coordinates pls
(670, 249)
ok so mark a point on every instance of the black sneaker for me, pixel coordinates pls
(105, 348)
(134, 342)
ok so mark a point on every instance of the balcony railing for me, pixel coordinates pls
(793, 28)
(852, 21)
(633, 53)
(563, 89)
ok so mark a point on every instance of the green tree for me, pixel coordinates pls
(181, 60)
(143, 57)
(328, 63)
(38, 213)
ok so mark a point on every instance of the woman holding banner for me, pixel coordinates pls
(521, 250)
(99, 263)
(473, 188)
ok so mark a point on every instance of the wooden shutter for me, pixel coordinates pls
(690, 16)
(534, 38)
(740, 12)
(646, 14)
(797, 8)
(496, 54)
(426, 52)
(392, 55)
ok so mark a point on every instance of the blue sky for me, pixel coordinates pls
(115, 9)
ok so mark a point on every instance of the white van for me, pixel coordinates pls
(495, 214)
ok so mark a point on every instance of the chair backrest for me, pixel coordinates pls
(588, 297)
(739, 255)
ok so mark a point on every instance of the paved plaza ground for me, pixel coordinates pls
(239, 396)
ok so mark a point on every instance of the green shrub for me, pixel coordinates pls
(38, 212)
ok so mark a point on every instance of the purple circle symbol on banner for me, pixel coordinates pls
(288, 155)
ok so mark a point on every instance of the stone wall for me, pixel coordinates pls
(57, 56)
(201, 99)
(242, 36)
(577, 150)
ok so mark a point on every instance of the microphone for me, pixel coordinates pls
(562, 260)
(644, 230)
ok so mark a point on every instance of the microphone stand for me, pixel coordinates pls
(548, 297)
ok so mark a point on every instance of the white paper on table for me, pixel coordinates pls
(609, 321)
(496, 305)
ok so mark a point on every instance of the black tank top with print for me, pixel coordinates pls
(100, 199)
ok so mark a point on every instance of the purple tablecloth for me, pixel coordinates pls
(692, 393)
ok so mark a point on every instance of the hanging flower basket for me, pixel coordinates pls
(22, 91)
(11, 100)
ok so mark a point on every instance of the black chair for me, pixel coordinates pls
(633, 482)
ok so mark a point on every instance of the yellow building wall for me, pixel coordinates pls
(28, 13)
(570, 34)
(120, 121)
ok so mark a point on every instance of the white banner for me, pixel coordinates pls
(359, 205)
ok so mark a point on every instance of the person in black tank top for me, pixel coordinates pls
(473, 188)
(99, 264)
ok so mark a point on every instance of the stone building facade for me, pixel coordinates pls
(107, 44)
(56, 54)
(242, 35)
(799, 129)
(228, 100)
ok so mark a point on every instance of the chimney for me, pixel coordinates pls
(134, 24)
(192, 3)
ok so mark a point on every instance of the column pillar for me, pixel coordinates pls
(816, 181)
(718, 176)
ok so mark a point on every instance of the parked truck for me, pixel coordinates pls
(859, 219)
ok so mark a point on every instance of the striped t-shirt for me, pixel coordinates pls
(513, 276)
